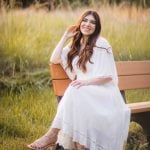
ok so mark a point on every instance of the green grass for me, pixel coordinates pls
(128, 33)
(28, 37)
(140, 95)
(24, 117)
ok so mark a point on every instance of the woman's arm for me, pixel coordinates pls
(95, 81)
(56, 55)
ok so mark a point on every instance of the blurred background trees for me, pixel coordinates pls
(53, 4)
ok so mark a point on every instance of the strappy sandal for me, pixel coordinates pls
(43, 143)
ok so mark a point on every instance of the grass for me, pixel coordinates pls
(28, 37)
(140, 95)
(127, 30)
(25, 116)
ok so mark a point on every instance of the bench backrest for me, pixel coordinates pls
(132, 75)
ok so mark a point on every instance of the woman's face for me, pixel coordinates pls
(88, 25)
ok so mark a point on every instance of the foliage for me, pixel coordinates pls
(51, 4)
(19, 83)
(137, 140)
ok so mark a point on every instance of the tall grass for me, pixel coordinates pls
(23, 117)
(28, 37)
(128, 31)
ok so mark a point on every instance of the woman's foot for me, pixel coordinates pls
(80, 147)
(49, 139)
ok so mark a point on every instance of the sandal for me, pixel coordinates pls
(43, 143)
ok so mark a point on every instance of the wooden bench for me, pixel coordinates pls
(132, 75)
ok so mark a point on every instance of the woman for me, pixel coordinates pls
(92, 114)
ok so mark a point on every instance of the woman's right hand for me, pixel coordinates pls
(70, 32)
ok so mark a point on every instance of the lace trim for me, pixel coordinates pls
(108, 50)
(58, 120)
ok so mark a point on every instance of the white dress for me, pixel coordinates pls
(95, 115)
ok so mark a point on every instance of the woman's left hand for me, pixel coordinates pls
(79, 83)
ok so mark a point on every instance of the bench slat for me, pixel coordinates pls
(125, 83)
(123, 68)
(57, 72)
(133, 67)
(139, 107)
(134, 82)
(60, 86)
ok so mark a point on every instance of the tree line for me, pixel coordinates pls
(53, 4)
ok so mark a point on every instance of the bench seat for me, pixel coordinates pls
(139, 107)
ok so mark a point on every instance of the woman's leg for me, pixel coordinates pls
(48, 139)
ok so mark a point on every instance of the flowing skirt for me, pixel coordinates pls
(94, 116)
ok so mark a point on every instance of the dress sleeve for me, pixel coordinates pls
(104, 64)
(64, 53)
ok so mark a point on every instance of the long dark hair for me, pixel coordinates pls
(87, 52)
